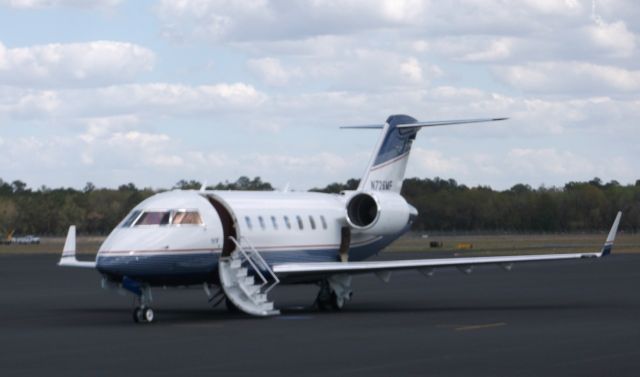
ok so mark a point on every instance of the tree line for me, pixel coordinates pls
(443, 205)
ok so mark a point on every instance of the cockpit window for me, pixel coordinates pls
(186, 218)
(154, 218)
(163, 217)
(132, 217)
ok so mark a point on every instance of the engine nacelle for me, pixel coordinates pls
(380, 213)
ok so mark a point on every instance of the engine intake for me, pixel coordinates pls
(379, 213)
(362, 210)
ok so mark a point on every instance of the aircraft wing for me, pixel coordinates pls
(304, 271)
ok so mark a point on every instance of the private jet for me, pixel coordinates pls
(238, 245)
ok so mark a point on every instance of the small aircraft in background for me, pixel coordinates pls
(239, 245)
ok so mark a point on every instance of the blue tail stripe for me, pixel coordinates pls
(397, 141)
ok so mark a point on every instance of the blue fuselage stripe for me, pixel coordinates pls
(185, 269)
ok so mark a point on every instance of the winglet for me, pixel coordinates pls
(608, 244)
(69, 252)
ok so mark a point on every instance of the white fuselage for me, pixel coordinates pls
(283, 226)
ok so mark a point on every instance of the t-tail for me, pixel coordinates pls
(388, 162)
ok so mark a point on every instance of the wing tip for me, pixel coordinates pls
(608, 244)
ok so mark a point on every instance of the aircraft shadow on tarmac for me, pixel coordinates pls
(118, 316)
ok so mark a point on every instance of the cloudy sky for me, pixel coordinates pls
(147, 92)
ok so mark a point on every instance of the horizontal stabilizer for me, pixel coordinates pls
(426, 124)
(448, 122)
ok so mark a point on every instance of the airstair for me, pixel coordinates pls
(246, 279)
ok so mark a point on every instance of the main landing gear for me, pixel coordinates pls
(334, 293)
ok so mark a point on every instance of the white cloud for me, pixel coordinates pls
(315, 163)
(498, 49)
(262, 19)
(569, 77)
(561, 7)
(411, 69)
(150, 99)
(74, 64)
(271, 71)
(615, 38)
(37, 4)
(548, 161)
(435, 163)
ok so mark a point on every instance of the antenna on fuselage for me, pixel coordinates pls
(203, 188)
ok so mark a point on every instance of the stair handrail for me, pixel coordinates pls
(264, 263)
(250, 260)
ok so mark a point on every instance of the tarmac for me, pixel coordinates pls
(571, 318)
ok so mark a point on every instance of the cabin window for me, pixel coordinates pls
(323, 221)
(132, 217)
(312, 222)
(261, 221)
(300, 224)
(154, 218)
(181, 217)
(287, 222)
(274, 222)
(247, 219)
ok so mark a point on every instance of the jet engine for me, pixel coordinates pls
(379, 213)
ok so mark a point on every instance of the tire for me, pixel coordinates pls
(324, 300)
(148, 315)
(137, 315)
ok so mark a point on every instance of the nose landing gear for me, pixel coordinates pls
(143, 313)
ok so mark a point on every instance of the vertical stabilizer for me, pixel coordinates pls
(388, 163)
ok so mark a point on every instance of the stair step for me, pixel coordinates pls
(247, 280)
(249, 289)
(259, 298)
(242, 284)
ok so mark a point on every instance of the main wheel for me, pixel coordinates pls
(324, 299)
(137, 315)
(148, 315)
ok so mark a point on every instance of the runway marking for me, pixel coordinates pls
(479, 327)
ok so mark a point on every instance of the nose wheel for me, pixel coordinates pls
(143, 314)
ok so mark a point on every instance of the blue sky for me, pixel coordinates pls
(149, 92)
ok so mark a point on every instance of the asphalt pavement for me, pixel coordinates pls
(571, 318)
